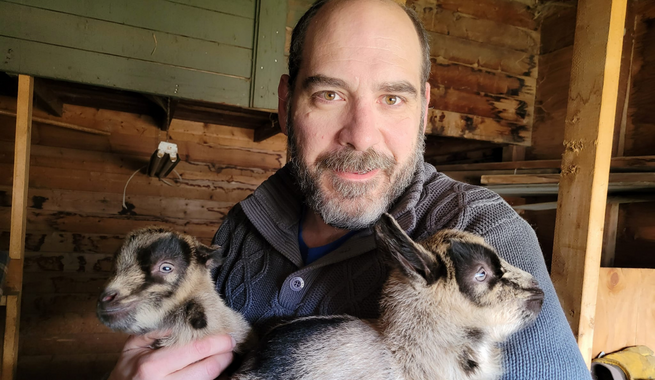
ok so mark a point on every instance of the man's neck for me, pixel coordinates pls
(316, 233)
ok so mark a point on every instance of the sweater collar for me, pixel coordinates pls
(275, 206)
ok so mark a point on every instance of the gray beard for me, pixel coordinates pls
(352, 206)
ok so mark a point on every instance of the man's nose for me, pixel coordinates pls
(361, 129)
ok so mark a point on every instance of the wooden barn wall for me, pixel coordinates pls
(76, 220)
(484, 66)
(636, 227)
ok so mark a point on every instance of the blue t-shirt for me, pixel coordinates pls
(309, 255)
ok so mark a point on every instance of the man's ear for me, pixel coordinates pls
(282, 101)
(213, 255)
(403, 252)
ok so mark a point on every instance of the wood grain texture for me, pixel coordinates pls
(625, 309)
(586, 162)
(454, 124)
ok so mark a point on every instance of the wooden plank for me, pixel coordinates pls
(479, 80)
(468, 52)
(69, 242)
(557, 27)
(45, 98)
(21, 168)
(90, 282)
(443, 21)
(161, 16)
(524, 190)
(82, 33)
(552, 95)
(12, 325)
(243, 8)
(625, 309)
(61, 124)
(481, 104)
(130, 74)
(65, 367)
(503, 11)
(453, 124)
(72, 344)
(635, 163)
(269, 59)
(505, 179)
(140, 185)
(70, 263)
(48, 222)
(586, 162)
(111, 204)
(609, 234)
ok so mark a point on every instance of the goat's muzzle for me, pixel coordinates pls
(535, 301)
(111, 309)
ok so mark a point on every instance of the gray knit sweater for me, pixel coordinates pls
(264, 278)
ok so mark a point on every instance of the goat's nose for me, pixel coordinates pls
(107, 296)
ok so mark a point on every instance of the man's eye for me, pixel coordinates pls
(330, 95)
(391, 100)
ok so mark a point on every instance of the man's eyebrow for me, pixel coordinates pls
(396, 87)
(322, 80)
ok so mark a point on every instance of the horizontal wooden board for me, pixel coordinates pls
(453, 124)
(624, 310)
(42, 282)
(503, 11)
(160, 15)
(34, 344)
(65, 367)
(112, 204)
(66, 179)
(26, 57)
(478, 54)
(496, 33)
(70, 263)
(480, 80)
(81, 33)
(65, 242)
(480, 104)
(555, 178)
(243, 8)
(49, 222)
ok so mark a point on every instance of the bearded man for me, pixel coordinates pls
(354, 108)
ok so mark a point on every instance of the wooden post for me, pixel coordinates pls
(18, 224)
(586, 161)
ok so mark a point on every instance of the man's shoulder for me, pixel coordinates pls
(448, 203)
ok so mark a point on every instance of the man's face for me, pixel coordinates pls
(357, 111)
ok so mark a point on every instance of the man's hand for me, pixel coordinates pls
(203, 359)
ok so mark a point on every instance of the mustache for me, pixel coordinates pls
(350, 160)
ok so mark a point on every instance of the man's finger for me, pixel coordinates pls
(138, 341)
(173, 359)
(206, 369)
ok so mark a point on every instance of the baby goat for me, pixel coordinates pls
(162, 282)
(449, 301)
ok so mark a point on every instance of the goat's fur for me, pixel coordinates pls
(162, 282)
(449, 301)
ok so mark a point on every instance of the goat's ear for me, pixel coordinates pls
(403, 252)
(212, 255)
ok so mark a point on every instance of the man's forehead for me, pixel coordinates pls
(377, 32)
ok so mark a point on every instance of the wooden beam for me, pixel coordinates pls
(268, 130)
(61, 124)
(586, 162)
(609, 234)
(46, 99)
(633, 164)
(526, 179)
(18, 223)
(455, 124)
(163, 110)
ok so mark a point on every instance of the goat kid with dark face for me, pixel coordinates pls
(449, 301)
(162, 282)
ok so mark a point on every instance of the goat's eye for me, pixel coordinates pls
(166, 268)
(481, 275)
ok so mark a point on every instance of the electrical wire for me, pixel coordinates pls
(128, 181)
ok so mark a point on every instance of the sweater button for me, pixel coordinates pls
(296, 284)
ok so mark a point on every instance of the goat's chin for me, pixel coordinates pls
(121, 319)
